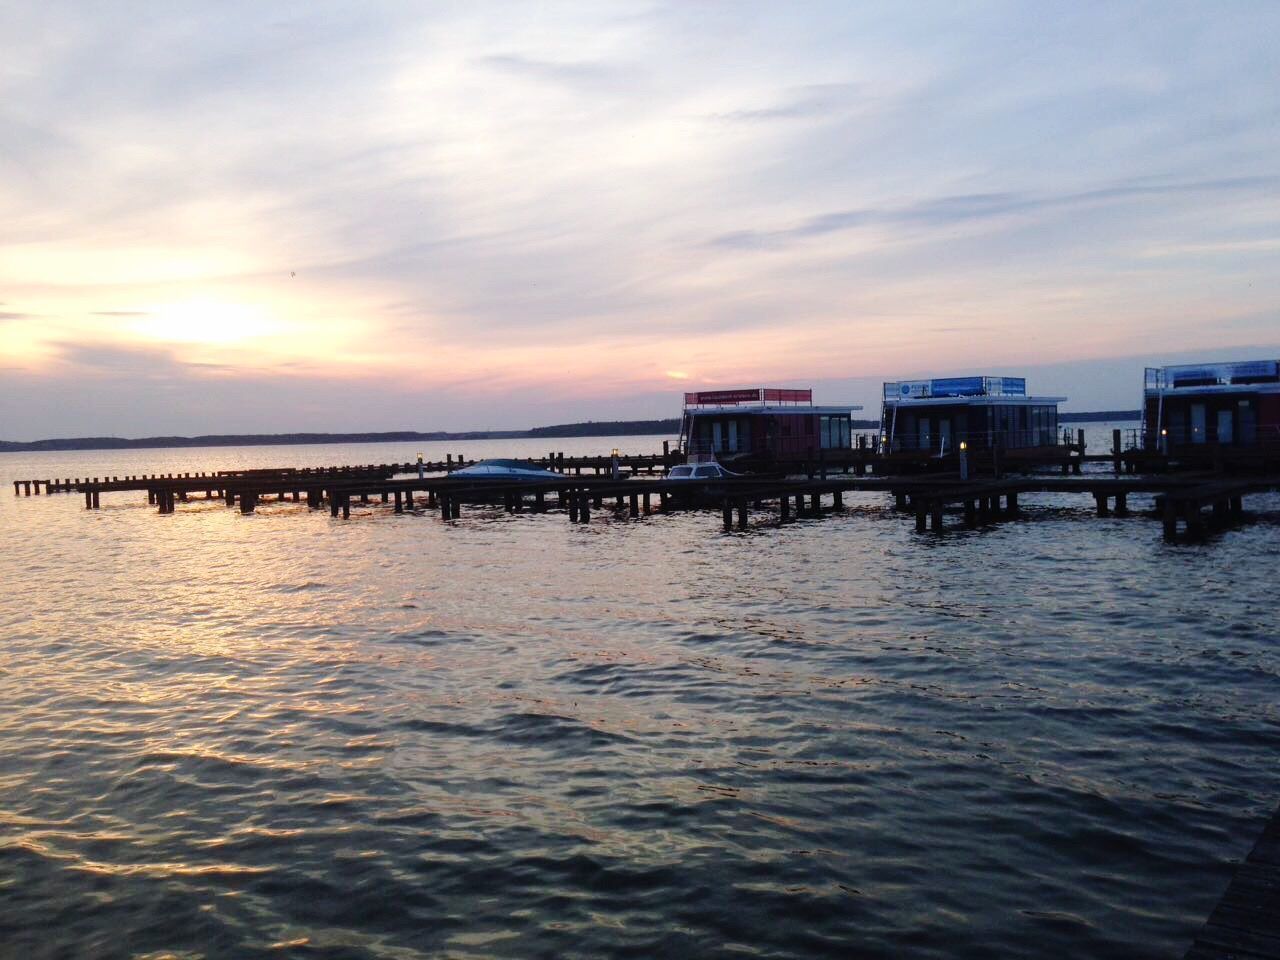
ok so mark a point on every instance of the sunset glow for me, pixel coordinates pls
(564, 213)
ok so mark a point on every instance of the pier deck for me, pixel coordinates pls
(585, 483)
(1246, 923)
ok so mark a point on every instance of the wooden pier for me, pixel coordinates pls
(1188, 505)
(1246, 923)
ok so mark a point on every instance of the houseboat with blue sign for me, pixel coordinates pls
(759, 426)
(932, 418)
(1188, 408)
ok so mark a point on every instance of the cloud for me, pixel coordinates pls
(819, 100)
(564, 200)
(578, 75)
(952, 210)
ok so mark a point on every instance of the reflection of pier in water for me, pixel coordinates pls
(1192, 502)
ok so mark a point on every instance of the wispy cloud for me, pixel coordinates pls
(951, 210)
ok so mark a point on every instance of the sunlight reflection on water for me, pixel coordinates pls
(283, 735)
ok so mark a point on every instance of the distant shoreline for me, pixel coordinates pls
(606, 428)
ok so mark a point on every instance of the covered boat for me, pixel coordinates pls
(505, 470)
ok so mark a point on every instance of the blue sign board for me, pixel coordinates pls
(957, 387)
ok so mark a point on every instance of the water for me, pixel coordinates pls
(282, 735)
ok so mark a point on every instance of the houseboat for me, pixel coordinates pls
(758, 426)
(1192, 406)
(932, 418)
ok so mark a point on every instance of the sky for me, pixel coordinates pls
(244, 217)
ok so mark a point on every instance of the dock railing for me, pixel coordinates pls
(938, 445)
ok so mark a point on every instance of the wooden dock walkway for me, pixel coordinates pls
(582, 484)
(1246, 923)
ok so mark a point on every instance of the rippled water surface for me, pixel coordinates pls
(283, 735)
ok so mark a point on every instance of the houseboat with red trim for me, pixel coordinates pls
(1190, 409)
(761, 426)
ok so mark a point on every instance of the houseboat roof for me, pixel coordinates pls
(762, 409)
(941, 391)
(758, 401)
(1239, 376)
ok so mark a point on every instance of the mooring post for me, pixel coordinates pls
(837, 500)
(333, 504)
(666, 453)
(899, 500)
(346, 506)
(1115, 449)
(88, 500)
(727, 511)
(1122, 504)
(785, 504)
(584, 509)
(1237, 505)
(1101, 500)
(922, 515)
(1195, 522)
(1170, 518)
(935, 516)
(455, 507)
(742, 514)
(540, 501)
(646, 504)
(635, 505)
(970, 514)
(399, 503)
(248, 501)
(1011, 503)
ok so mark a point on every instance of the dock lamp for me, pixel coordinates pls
(964, 460)
(617, 470)
(421, 469)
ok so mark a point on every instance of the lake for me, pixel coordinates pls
(284, 735)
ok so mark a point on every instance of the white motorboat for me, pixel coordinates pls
(505, 470)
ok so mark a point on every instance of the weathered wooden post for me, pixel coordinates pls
(1115, 450)
(635, 505)
(935, 516)
(742, 514)
(1122, 504)
(455, 507)
(785, 503)
(399, 503)
(727, 511)
(1101, 500)
(970, 514)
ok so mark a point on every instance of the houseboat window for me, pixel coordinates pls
(1197, 423)
(681, 472)
(1225, 423)
(834, 432)
(1248, 423)
(706, 472)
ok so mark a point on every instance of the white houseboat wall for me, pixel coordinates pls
(934, 417)
(1233, 404)
(762, 423)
